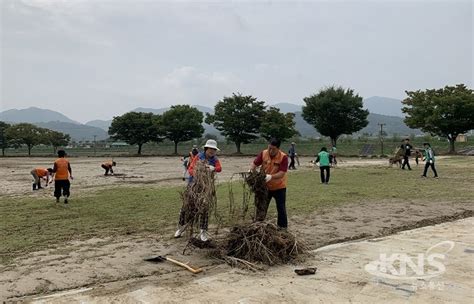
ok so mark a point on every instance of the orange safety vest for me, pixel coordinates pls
(108, 164)
(62, 172)
(41, 172)
(272, 166)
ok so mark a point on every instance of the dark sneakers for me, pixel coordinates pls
(65, 200)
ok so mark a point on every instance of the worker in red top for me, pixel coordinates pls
(187, 160)
(275, 164)
(41, 173)
(107, 166)
(209, 158)
(62, 171)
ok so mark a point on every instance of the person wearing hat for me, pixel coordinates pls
(62, 171)
(274, 163)
(292, 155)
(208, 156)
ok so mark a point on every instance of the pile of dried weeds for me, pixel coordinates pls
(199, 198)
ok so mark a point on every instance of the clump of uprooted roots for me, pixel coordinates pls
(261, 242)
(253, 183)
(199, 197)
(258, 186)
(248, 244)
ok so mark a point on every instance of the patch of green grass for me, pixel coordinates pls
(304, 147)
(30, 224)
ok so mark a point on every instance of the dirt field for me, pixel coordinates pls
(89, 176)
(152, 171)
(95, 261)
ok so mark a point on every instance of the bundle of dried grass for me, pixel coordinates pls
(257, 184)
(262, 242)
(199, 197)
(253, 183)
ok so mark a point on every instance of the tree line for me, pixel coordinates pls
(16, 135)
(333, 111)
(242, 119)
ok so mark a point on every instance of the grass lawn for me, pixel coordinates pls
(30, 224)
(308, 147)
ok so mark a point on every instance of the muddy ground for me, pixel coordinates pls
(97, 261)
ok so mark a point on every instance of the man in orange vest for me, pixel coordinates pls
(40, 173)
(275, 164)
(108, 167)
(62, 171)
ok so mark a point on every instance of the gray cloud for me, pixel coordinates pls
(96, 59)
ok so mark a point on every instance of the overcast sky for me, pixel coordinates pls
(96, 59)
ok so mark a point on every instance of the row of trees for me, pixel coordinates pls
(333, 111)
(30, 135)
(241, 119)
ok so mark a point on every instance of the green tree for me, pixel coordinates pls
(137, 128)
(277, 124)
(26, 134)
(334, 111)
(238, 118)
(56, 139)
(445, 112)
(4, 140)
(182, 123)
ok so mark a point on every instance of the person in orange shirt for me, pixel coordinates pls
(187, 160)
(40, 173)
(108, 167)
(275, 164)
(62, 171)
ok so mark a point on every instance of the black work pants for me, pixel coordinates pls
(292, 162)
(280, 200)
(61, 186)
(427, 165)
(325, 177)
(107, 169)
(405, 162)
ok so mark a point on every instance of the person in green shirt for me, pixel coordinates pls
(429, 158)
(324, 160)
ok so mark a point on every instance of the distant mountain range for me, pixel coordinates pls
(384, 106)
(34, 114)
(78, 132)
(383, 110)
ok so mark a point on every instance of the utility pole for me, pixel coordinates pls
(381, 136)
(94, 145)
